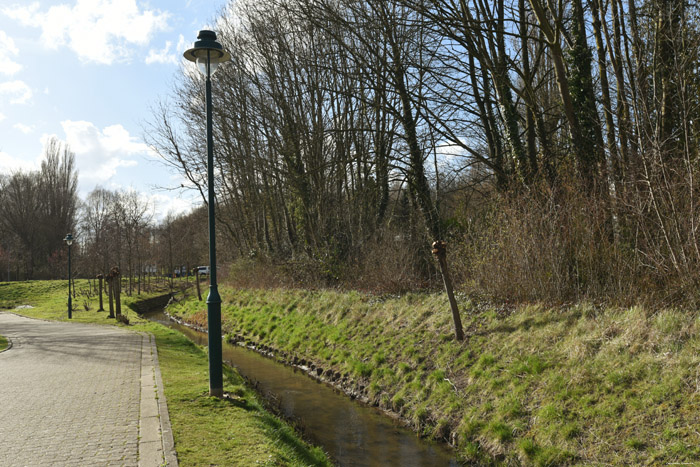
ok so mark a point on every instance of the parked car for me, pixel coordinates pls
(203, 271)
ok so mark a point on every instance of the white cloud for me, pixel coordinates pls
(99, 153)
(102, 31)
(165, 55)
(26, 129)
(162, 56)
(7, 50)
(2, 117)
(181, 45)
(10, 164)
(17, 91)
(159, 204)
(450, 150)
(165, 204)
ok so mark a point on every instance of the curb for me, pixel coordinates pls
(166, 430)
(156, 446)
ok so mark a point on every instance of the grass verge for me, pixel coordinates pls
(3, 343)
(49, 300)
(532, 385)
(207, 430)
(212, 431)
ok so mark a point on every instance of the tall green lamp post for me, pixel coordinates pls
(207, 53)
(69, 242)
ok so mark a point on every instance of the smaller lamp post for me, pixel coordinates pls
(69, 242)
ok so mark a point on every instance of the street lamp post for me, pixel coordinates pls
(69, 242)
(207, 53)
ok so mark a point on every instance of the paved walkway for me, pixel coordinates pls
(76, 394)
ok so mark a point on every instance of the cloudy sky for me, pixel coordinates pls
(88, 72)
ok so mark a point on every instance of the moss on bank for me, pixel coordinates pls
(532, 385)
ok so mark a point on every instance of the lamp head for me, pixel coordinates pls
(69, 239)
(207, 53)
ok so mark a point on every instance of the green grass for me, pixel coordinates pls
(49, 300)
(3, 343)
(533, 385)
(211, 431)
(207, 430)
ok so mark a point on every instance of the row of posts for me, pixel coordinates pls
(113, 285)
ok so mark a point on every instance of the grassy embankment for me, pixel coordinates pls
(3, 343)
(207, 431)
(533, 385)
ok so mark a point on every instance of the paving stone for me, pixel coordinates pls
(71, 394)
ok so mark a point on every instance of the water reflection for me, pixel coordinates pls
(353, 434)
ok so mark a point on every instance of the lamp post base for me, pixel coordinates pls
(216, 378)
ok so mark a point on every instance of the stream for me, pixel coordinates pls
(351, 433)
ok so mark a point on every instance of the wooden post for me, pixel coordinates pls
(99, 282)
(196, 281)
(110, 293)
(440, 252)
(116, 284)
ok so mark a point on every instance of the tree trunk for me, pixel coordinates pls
(530, 131)
(552, 37)
(440, 252)
(509, 113)
(418, 182)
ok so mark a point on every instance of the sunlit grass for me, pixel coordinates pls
(207, 430)
(211, 431)
(533, 385)
(49, 300)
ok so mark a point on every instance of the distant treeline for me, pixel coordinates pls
(111, 228)
(37, 210)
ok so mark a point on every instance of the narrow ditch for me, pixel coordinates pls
(353, 434)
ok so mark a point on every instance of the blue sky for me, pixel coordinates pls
(87, 72)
